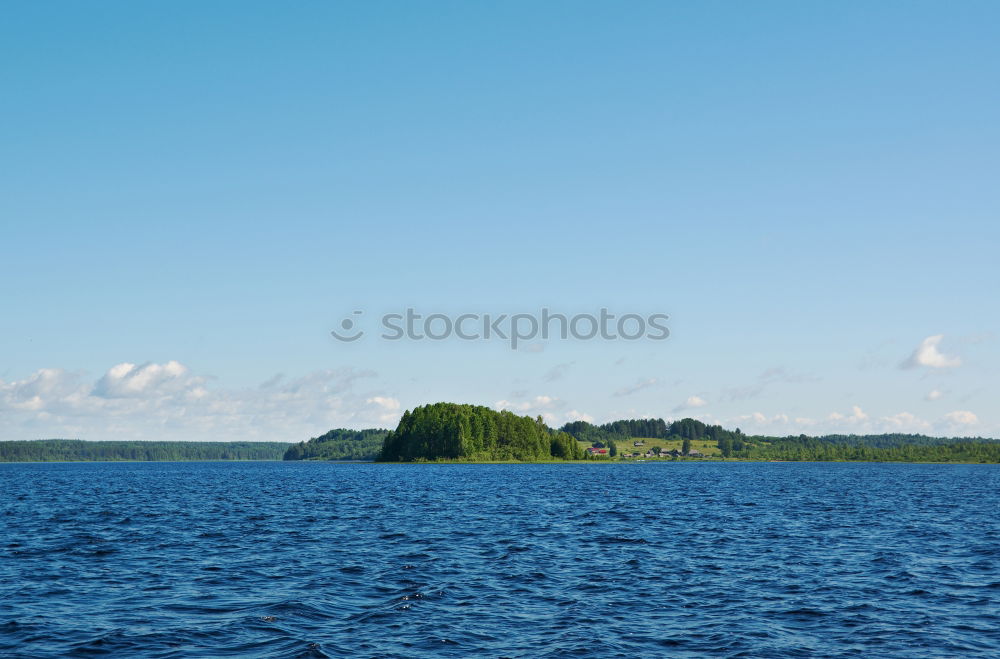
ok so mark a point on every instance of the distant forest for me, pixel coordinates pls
(871, 448)
(76, 450)
(340, 444)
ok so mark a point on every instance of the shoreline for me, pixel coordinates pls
(501, 462)
(513, 462)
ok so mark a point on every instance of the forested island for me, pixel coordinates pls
(77, 450)
(474, 433)
(446, 431)
(451, 432)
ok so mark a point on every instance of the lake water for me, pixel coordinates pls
(575, 560)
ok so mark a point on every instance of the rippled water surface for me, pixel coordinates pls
(672, 559)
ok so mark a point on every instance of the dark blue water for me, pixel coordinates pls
(676, 559)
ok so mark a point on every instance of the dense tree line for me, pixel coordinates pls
(340, 444)
(593, 435)
(876, 448)
(887, 440)
(654, 428)
(474, 433)
(682, 430)
(892, 447)
(76, 450)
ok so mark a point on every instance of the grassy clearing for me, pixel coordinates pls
(707, 448)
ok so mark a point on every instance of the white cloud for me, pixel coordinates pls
(927, 354)
(856, 422)
(961, 418)
(574, 415)
(904, 422)
(44, 384)
(532, 406)
(165, 401)
(384, 402)
(386, 408)
(758, 419)
(934, 394)
(856, 415)
(549, 408)
(125, 380)
(691, 402)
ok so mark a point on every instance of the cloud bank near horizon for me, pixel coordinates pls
(168, 401)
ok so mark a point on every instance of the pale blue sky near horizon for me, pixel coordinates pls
(809, 190)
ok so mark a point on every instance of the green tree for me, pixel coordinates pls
(472, 432)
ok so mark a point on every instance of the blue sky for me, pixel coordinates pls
(193, 195)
